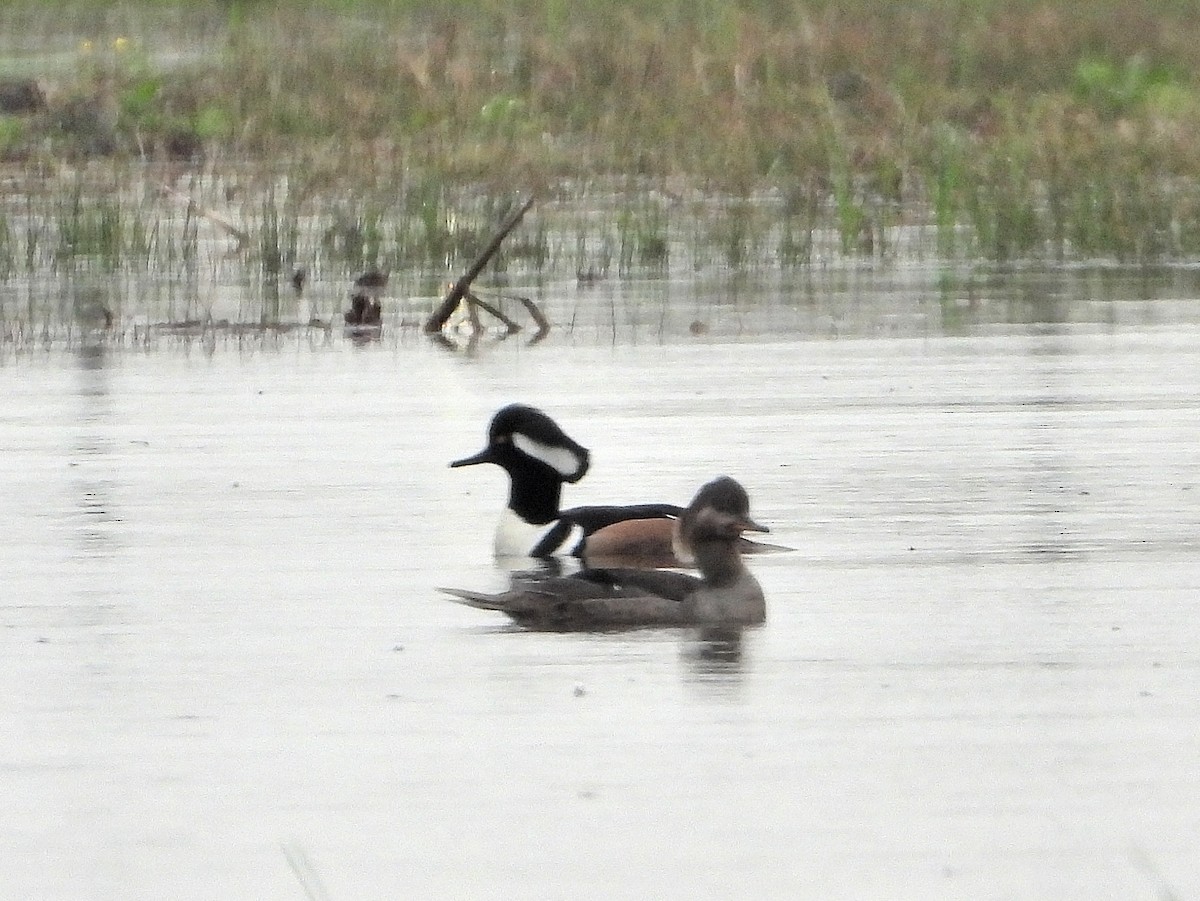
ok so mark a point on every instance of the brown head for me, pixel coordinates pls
(712, 524)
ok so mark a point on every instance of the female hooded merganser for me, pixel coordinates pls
(725, 594)
(539, 457)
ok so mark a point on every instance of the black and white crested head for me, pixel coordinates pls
(538, 457)
(520, 435)
(536, 435)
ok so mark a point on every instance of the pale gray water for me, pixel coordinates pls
(221, 647)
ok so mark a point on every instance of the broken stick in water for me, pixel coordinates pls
(221, 222)
(462, 287)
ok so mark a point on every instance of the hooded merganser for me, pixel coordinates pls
(539, 457)
(726, 593)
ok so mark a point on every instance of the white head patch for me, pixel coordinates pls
(561, 460)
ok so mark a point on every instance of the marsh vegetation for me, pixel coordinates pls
(659, 138)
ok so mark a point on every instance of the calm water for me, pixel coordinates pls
(227, 671)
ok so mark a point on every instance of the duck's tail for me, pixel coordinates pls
(476, 598)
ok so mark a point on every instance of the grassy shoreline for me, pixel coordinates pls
(1015, 130)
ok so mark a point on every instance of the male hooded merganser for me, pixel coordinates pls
(539, 457)
(726, 593)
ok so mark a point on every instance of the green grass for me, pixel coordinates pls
(385, 132)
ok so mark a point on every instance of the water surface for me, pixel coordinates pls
(226, 661)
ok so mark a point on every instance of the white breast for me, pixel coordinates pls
(516, 538)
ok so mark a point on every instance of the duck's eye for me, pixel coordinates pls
(503, 439)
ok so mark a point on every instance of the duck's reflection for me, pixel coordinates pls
(533, 569)
(715, 651)
(714, 654)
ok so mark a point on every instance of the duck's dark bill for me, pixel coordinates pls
(484, 456)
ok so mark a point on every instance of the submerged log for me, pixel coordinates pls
(366, 306)
(363, 311)
(459, 290)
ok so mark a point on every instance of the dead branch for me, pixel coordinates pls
(543, 324)
(442, 314)
(474, 302)
(216, 219)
